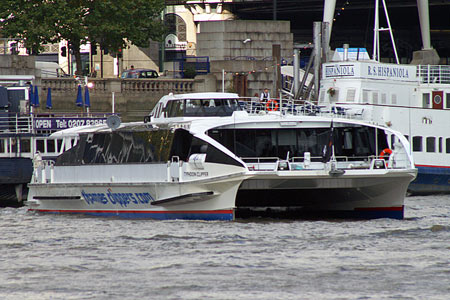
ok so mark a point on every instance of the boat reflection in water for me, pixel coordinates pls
(212, 156)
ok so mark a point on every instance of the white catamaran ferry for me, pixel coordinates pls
(211, 156)
(414, 100)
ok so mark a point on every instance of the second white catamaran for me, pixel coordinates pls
(210, 156)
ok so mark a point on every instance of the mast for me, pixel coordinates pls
(376, 32)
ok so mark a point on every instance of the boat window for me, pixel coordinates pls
(407, 137)
(176, 108)
(440, 145)
(417, 143)
(25, 145)
(394, 98)
(383, 98)
(160, 110)
(40, 146)
(168, 108)
(447, 96)
(184, 145)
(3, 144)
(348, 140)
(365, 96)
(431, 144)
(211, 107)
(351, 95)
(426, 100)
(120, 147)
(447, 145)
(375, 97)
(213, 155)
(181, 144)
(353, 141)
(51, 145)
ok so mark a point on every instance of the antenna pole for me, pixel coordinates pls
(376, 33)
(376, 30)
(390, 31)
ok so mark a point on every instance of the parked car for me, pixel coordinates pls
(139, 73)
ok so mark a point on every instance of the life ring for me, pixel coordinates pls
(270, 106)
(386, 152)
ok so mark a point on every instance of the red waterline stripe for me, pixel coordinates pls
(430, 166)
(138, 211)
(395, 208)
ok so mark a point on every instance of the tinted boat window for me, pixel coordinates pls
(181, 145)
(210, 107)
(431, 144)
(25, 145)
(349, 142)
(40, 146)
(417, 143)
(143, 146)
(120, 147)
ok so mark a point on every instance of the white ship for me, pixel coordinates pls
(205, 156)
(414, 100)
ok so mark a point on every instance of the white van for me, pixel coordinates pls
(49, 69)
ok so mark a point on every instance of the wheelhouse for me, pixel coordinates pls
(193, 106)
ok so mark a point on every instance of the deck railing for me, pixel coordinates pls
(434, 74)
(18, 123)
(273, 164)
(294, 107)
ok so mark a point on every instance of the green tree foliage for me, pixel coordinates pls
(108, 23)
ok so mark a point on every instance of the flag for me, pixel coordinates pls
(35, 101)
(49, 98)
(328, 147)
(87, 99)
(79, 101)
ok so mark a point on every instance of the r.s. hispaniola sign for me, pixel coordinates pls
(360, 69)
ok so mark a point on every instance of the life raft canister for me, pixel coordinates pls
(272, 105)
(386, 152)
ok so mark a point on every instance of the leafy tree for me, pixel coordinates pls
(108, 23)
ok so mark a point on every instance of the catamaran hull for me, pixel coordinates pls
(162, 201)
(322, 197)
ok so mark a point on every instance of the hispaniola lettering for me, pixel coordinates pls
(123, 199)
(339, 70)
(387, 71)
